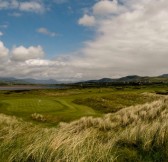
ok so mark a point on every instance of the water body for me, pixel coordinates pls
(17, 88)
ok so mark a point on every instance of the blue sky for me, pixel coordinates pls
(72, 40)
(60, 18)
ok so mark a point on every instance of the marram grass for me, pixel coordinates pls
(137, 133)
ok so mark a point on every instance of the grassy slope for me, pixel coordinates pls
(68, 105)
(137, 133)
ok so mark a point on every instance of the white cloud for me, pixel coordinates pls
(46, 32)
(3, 51)
(14, 3)
(26, 6)
(22, 53)
(1, 34)
(42, 62)
(87, 20)
(129, 42)
(32, 6)
(4, 4)
(105, 7)
(38, 62)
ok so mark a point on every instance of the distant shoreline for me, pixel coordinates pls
(28, 87)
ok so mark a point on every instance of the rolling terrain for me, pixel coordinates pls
(68, 104)
(114, 124)
(137, 133)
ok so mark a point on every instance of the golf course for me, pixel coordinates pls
(105, 124)
(54, 106)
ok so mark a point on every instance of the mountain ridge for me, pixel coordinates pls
(126, 79)
(131, 78)
(12, 80)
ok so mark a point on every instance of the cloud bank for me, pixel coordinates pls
(3, 51)
(131, 37)
(22, 53)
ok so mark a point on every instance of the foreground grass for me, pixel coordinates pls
(137, 133)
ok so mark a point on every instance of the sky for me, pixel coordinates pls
(74, 40)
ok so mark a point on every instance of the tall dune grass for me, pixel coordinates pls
(136, 133)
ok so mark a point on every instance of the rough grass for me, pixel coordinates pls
(113, 102)
(137, 133)
(68, 105)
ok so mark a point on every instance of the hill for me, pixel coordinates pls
(10, 80)
(130, 79)
(164, 76)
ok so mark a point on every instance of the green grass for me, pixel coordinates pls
(54, 110)
(114, 102)
(136, 128)
(134, 134)
(71, 104)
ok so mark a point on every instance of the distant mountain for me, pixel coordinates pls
(164, 76)
(132, 79)
(103, 80)
(127, 79)
(4, 80)
(7, 79)
(107, 80)
(35, 81)
(10, 80)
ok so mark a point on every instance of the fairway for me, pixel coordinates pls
(49, 107)
(53, 109)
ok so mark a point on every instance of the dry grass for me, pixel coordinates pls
(136, 133)
(38, 117)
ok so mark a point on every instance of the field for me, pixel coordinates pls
(84, 125)
(49, 107)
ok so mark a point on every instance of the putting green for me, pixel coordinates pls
(32, 105)
(54, 110)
